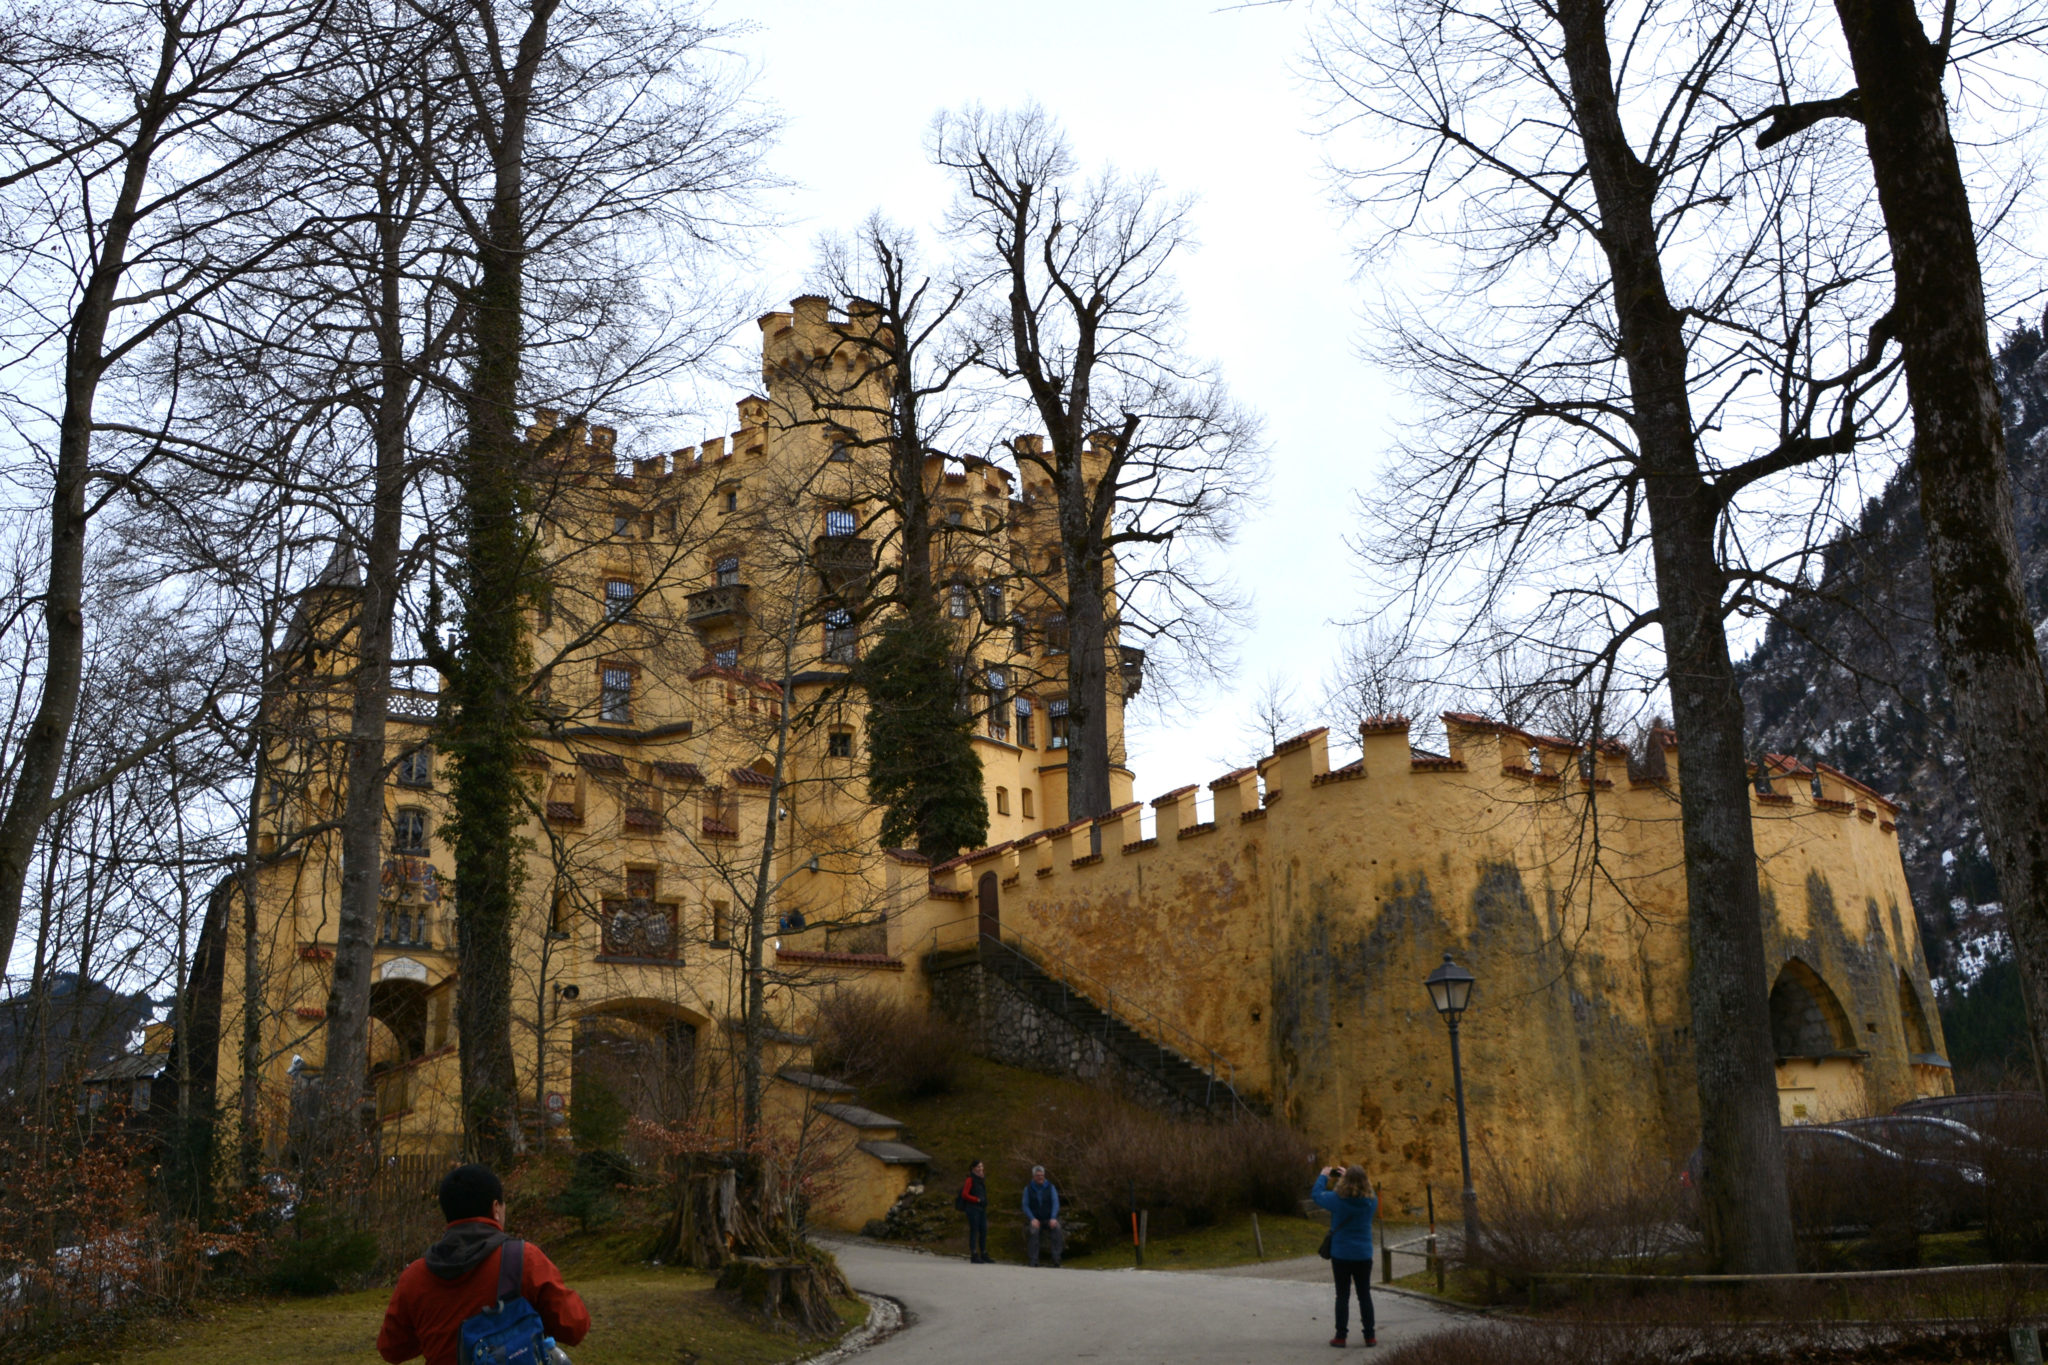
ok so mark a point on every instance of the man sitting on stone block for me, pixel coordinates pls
(1042, 1213)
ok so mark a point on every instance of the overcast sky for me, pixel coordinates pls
(1207, 99)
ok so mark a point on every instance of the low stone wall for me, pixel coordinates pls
(1004, 1025)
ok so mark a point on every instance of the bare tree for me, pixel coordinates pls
(1150, 461)
(113, 147)
(1663, 336)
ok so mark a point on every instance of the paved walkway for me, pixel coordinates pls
(1273, 1312)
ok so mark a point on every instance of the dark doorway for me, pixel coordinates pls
(991, 908)
(625, 1067)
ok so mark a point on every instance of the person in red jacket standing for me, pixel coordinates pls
(458, 1277)
(974, 1202)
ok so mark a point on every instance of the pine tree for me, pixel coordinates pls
(922, 768)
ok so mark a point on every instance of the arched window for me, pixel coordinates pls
(1806, 1018)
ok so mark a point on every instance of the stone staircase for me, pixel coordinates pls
(879, 1167)
(1138, 1052)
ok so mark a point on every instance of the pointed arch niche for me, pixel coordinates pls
(1931, 1074)
(1820, 1068)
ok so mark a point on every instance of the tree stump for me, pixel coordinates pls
(702, 1229)
(788, 1291)
(730, 1216)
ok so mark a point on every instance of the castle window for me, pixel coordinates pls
(998, 706)
(409, 830)
(721, 924)
(1056, 633)
(839, 521)
(842, 637)
(953, 516)
(729, 498)
(1024, 726)
(618, 599)
(1025, 794)
(839, 743)
(1056, 724)
(840, 454)
(726, 572)
(1002, 800)
(615, 694)
(622, 524)
(416, 768)
(726, 656)
(1020, 638)
(992, 603)
(956, 601)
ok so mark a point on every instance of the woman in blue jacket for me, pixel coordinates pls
(1348, 1195)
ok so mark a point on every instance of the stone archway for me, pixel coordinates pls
(1807, 1020)
(1820, 1068)
(629, 1062)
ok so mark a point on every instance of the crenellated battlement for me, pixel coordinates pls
(591, 450)
(1284, 914)
(1489, 768)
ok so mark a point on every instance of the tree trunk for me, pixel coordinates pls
(488, 729)
(249, 1137)
(489, 718)
(1748, 1217)
(1988, 650)
(1087, 666)
(49, 733)
(349, 1100)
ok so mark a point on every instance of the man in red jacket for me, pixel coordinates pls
(458, 1277)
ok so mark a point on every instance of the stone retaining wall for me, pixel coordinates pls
(1004, 1025)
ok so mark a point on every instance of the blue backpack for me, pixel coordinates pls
(509, 1332)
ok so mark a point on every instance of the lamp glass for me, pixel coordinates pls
(1450, 987)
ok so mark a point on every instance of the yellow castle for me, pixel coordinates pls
(700, 742)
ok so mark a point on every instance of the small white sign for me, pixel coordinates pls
(403, 969)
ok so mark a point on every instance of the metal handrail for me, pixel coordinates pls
(1166, 1035)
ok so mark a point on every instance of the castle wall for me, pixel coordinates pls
(1291, 932)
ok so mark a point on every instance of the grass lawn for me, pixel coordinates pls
(991, 1114)
(1228, 1243)
(639, 1315)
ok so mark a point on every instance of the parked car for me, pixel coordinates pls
(1922, 1136)
(1851, 1176)
(1842, 1179)
(1986, 1112)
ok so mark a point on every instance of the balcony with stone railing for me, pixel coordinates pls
(723, 604)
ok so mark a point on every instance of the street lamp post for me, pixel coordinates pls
(1450, 990)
